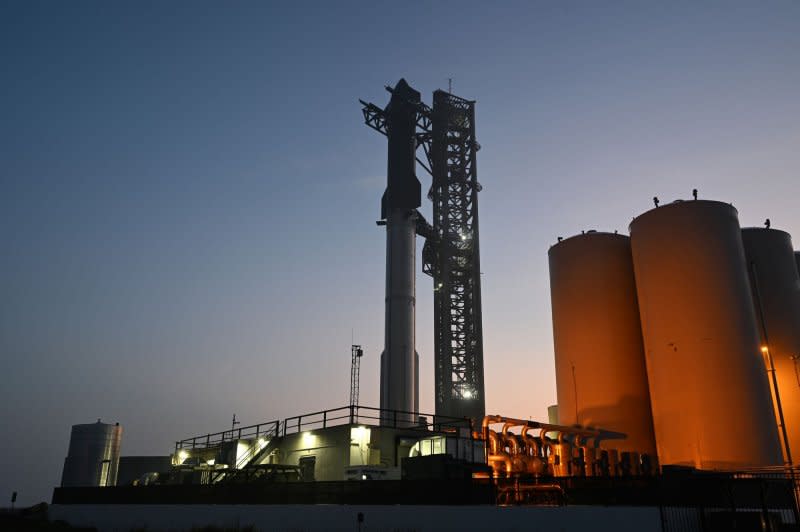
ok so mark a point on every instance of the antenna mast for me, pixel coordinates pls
(355, 372)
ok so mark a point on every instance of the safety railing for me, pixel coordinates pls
(345, 415)
(365, 415)
(215, 439)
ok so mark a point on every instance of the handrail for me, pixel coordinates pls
(254, 450)
(351, 414)
(217, 438)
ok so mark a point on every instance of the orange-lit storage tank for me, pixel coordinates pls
(601, 378)
(775, 287)
(708, 384)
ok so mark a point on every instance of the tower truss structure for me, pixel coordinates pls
(356, 352)
(452, 258)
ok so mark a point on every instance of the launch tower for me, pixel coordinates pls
(452, 258)
(451, 254)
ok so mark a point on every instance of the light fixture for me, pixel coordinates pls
(309, 439)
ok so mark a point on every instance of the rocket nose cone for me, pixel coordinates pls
(403, 90)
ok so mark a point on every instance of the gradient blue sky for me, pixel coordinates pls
(188, 193)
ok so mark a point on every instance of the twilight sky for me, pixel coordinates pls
(188, 194)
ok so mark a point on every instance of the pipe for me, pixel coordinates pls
(589, 455)
(519, 460)
(496, 452)
(501, 458)
(561, 451)
(494, 442)
(485, 432)
(510, 439)
(771, 367)
(544, 440)
(493, 459)
(546, 450)
(536, 463)
(489, 419)
(530, 443)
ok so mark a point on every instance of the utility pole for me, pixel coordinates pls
(355, 373)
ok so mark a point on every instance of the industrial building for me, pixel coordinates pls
(676, 354)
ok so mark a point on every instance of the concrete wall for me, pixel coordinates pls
(335, 517)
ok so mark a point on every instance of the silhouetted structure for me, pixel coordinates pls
(452, 258)
(356, 352)
(451, 254)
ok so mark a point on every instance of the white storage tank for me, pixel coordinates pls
(93, 456)
(775, 287)
(709, 391)
(601, 378)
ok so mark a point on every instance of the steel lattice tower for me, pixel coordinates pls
(452, 258)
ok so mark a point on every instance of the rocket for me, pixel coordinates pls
(399, 361)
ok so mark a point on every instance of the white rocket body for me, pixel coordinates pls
(399, 360)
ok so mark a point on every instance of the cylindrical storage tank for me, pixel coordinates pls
(708, 383)
(552, 414)
(775, 287)
(797, 260)
(93, 456)
(601, 380)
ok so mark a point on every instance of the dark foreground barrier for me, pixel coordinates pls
(466, 492)
(686, 500)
